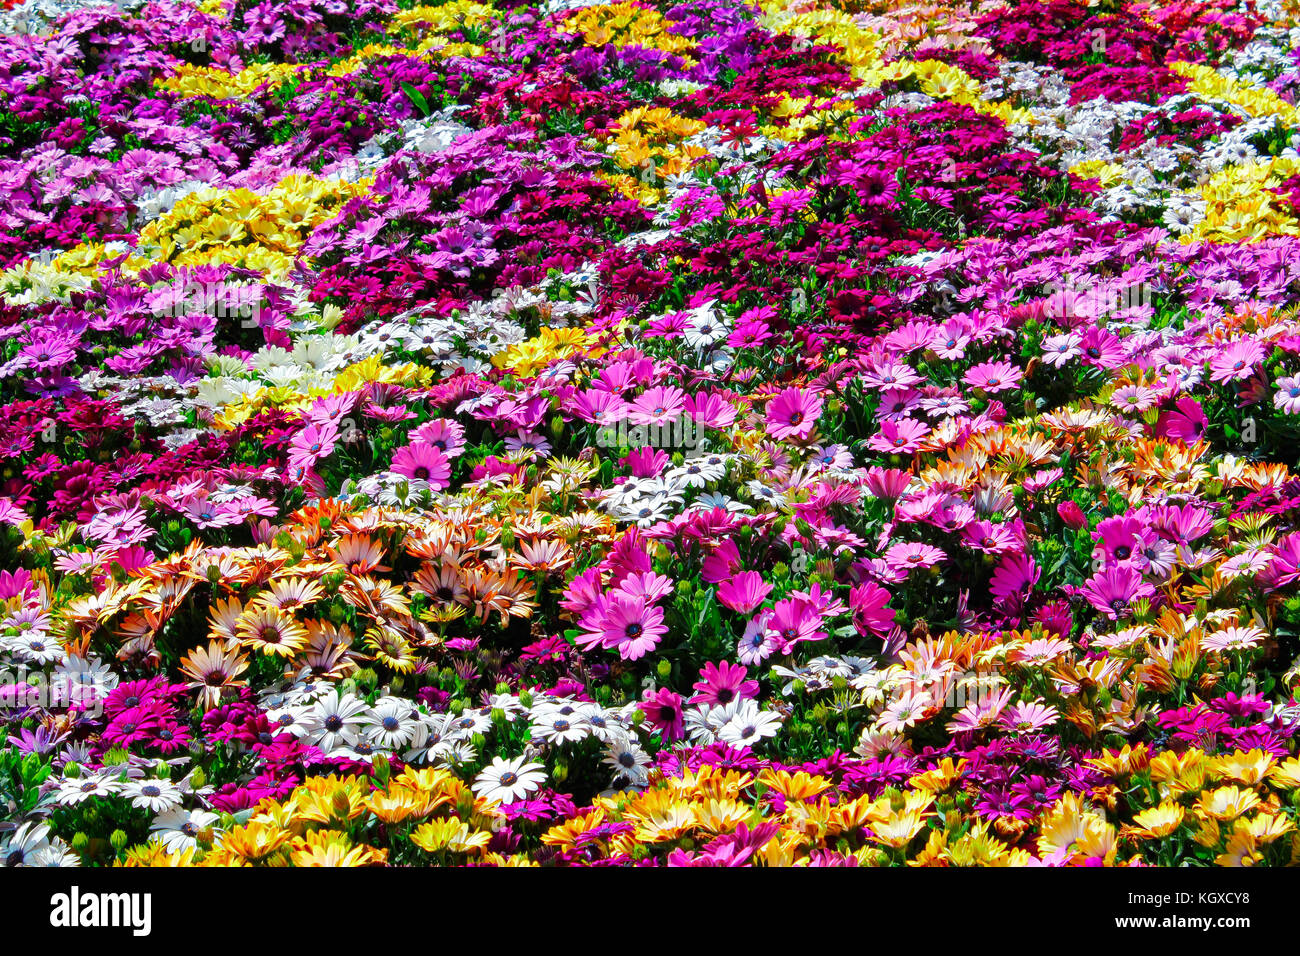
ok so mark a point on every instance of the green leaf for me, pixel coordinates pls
(417, 98)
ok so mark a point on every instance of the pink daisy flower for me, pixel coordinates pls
(902, 436)
(663, 711)
(792, 622)
(1186, 422)
(1016, 574)
(888, 483)
(657, 405)
(1113, 589)
(871, 610)
(1236, 361)
(1059, 349)
(758, 643)
(744, 592)
(443, 434)
(710, 410)
(908, 555)
(313, 442)
(993, 376)
(721, 683)
(793, 413)
(1287, 396)
(990, 538)
(423, 462)
(1028, 718)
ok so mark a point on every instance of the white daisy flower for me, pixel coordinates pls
(506, 781)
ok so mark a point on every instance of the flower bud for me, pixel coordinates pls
(1072, 515)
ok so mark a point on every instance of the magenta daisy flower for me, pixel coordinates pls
(313, 442)
(721, 683)
(1016, 574)
(631, 625)
(793, 413)
(888, 483)
(1186, 422)
(990, 538)
(424, 462)
(1119, 537)
(871, 610)
(1113, 589)
(743, 592)
(443, 434)
(792, 622)
(663, 711)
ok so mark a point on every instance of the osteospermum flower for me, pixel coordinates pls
(721, 683)
(630, 624)
(270, 630)
(743, 592)
(902, 436)
(993, 376)
(1029, 717)
(179, 829)
(153, 795)
(505, 781)
(212, 670)
(1113, 590)
(335, 720)
(1186, 421)
(1236, 361)
(1235, 638)
(748, 724)
(909, 555)
(424, 463)
(1287, 396)
(793, 413)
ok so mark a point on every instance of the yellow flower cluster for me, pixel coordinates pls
(628, 24)
(191, 80)
(455, 15)
(325, 821)
(1206, 82)
(648, 141)
(1108, 174)
(551, 345)
(1240, 204)
(700, 805)
(653, 134)
(1232, 804)
(862, 48)
(430, 25)
(262, 231)
(350, 379)
(944, 81)
(864, 51)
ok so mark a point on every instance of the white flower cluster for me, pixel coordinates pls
(1160, 180)
(646, 501)
(342, 725)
